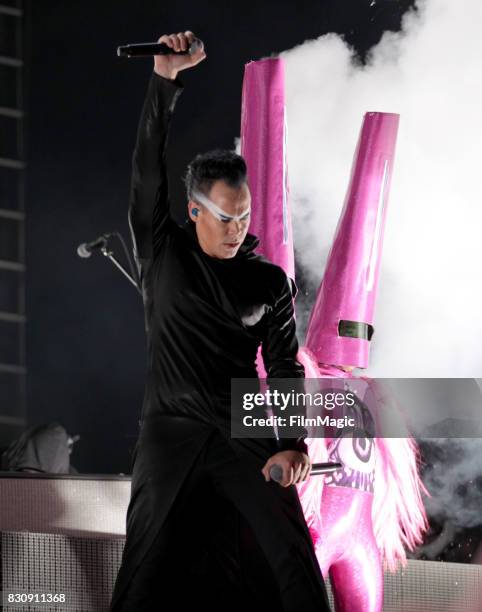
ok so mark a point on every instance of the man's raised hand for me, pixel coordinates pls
(168, 66)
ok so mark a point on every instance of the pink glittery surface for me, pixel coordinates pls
(349, 286)
(347, 550)
(263, 145)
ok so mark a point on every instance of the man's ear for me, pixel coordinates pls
(193, 211)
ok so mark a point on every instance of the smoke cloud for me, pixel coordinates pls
(427, 320)
(454, 480)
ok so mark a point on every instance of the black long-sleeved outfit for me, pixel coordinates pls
(199, 504)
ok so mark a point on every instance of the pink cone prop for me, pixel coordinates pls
(263, 145)
(341, 320)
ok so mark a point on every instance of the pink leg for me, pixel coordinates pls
(347, 551)
(357, 581)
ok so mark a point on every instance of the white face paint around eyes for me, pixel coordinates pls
(219, 212)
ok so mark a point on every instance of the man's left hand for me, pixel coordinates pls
(296, 467)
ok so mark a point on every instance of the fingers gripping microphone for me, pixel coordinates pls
(276, 471)
(86, 248)
(149, 49)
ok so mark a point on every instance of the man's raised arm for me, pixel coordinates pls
(149, 197)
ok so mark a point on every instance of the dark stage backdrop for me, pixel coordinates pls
(85, 333)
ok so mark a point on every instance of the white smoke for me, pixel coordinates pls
(428, 320)
(454, 481)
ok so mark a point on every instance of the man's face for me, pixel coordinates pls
(222, 238)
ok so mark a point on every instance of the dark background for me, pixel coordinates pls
(85, 332)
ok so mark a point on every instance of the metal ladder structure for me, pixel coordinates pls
(12, 222)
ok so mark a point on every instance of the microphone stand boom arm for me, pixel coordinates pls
(107, 253)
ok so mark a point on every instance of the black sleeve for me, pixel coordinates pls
(279, 350)
(149, 217)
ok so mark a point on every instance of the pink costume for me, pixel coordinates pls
(371, 508)
(368, 511)
(342, 512)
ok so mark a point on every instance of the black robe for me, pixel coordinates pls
(205, 319)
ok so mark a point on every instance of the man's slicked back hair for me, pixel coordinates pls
(218, 164)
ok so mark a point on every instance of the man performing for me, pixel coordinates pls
(210, 301)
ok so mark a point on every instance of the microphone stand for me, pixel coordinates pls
(119, 266)
(110, 254)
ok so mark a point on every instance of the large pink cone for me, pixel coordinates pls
(349, 286)
(263, 145)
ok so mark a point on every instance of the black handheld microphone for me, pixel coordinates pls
(276, 471)
(86, 248)
(149, 49)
